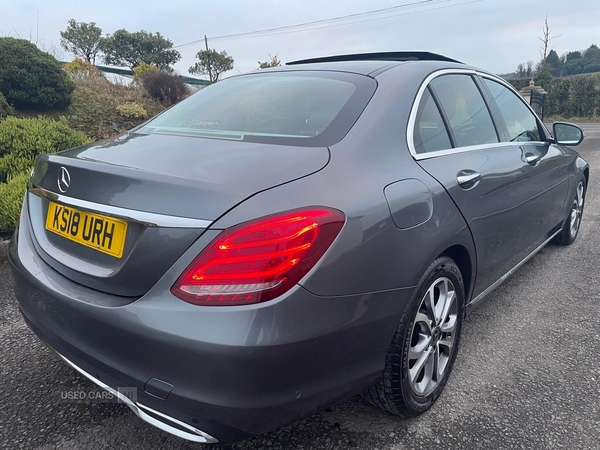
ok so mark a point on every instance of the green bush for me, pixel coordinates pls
(80, 68)
(21, 141)
(5, 108)
(31, 78)
(27, 138)
(11, 199)
(140, 71)
(12, 166)
(132, 110)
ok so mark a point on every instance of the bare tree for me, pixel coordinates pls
(529, 69)
(53, 50)
(17, 34)
(546, 38)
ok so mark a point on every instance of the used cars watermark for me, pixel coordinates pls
(92, 395)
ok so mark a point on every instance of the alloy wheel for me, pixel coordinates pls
(576, 210)
(433, 337)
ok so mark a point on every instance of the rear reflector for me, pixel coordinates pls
(259, 260)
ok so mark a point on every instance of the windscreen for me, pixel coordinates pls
(295, 108)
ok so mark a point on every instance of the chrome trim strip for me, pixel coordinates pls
(452, 151)
(503, 278)
(415, 107)
(193, 435)
(145, 218)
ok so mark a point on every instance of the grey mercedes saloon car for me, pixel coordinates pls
(287, 238)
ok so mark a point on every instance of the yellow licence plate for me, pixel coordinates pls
(105, 234)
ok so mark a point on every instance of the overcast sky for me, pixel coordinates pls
(492, 34)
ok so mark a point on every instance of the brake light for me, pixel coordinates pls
(259, 260)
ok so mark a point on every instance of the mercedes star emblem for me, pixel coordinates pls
(64, 180)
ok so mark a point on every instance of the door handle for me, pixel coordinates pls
(468, 179)
(532, 158)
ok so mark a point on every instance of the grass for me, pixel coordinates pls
(93, 109)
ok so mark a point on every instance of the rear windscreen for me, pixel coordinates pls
(294, 108)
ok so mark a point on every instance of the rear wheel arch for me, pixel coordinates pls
(462, 258)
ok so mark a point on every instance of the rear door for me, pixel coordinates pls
(457, 141)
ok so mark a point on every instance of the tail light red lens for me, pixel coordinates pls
(259, 260)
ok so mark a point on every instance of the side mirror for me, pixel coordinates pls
(567, 133)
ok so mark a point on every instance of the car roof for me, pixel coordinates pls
(366, 63)
(378, 56)
(359, 67)
(371, 64)
(367, 68)
(374, 64)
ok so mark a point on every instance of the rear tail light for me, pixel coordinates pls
(259, 260)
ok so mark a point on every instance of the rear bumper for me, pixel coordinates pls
(233, 370)
(156, 418)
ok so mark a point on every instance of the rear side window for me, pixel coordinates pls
(520, 121)
(465, 109)
(295, 108)
(430, 133)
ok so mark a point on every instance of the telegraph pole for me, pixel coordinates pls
(206, 42)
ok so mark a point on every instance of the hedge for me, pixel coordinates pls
(11, 199)
(29, 137)
(519, 83)
(21, 141)
(572, 96)
(575, 96)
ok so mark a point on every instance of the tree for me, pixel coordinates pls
(82, 39)
(529, 72)
(544, 77)
(553, 63)
(593, 52)
(521, 72)
(573, 56)
(573, 63)
(31, 78)
(591, 59)
(546, 38)
(212, 63)
(123, 48)
(273, 62)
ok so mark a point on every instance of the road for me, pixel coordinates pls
(527, 374)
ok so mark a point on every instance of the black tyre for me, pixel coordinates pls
(570, 229)
(422, 353)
